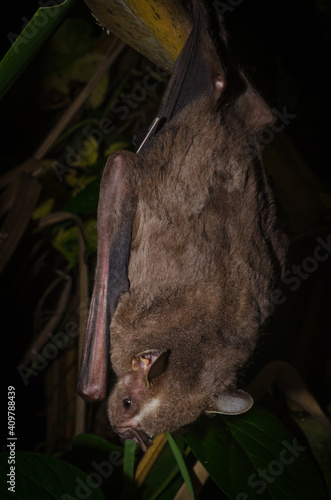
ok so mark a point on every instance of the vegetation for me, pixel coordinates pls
(73, 94)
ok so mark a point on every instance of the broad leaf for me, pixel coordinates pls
(100, 458)
(87, 448)
(253, 456)
(42, 476)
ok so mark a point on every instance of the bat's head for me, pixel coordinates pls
(132, 396)
(146, 402)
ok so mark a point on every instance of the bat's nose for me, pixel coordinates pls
(138, 436)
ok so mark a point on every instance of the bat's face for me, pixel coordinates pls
(149, 400)
(139, 407)
(126, 410)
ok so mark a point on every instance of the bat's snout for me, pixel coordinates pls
(138, 436)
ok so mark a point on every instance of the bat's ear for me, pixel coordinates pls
(151, 363)
(231, 402)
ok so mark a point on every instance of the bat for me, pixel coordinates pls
(188, 252)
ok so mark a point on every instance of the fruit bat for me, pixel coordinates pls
(188, 252)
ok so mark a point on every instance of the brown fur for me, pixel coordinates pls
(202, 264)
(187, 232)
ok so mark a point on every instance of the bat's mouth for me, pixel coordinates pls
(138, 436)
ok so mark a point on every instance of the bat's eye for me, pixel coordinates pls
(127, 402)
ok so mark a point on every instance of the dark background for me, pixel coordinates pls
(285, 49)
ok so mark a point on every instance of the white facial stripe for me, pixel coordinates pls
(147, 409)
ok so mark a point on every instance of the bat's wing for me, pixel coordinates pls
(203, 68)
(115, 218)
(197, 71)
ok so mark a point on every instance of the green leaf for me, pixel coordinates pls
(95, 455)
(84, 446)
(129, 459)
(253, 456)
(28, 43)
(43, 209)
(319, 439)
(128, 468)
(181, 464)
(162, 474)
(66, 241)
(42, 476)
(80, 70)
(170, 493)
